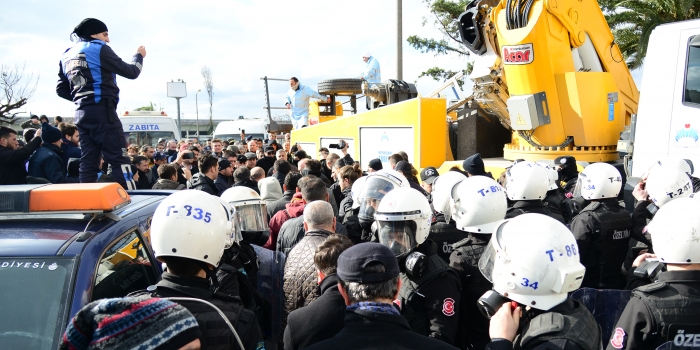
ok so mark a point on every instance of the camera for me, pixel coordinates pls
(188, 155)
(340, 145)
(490, 302)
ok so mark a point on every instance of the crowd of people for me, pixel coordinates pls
(396, 258)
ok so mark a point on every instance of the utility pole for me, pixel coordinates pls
(399, 41)
(196, 102)
(177, 90)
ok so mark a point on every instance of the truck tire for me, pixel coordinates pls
(350, 86)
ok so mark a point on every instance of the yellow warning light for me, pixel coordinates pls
(78, 197)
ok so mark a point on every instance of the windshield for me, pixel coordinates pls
(238, 136)
(147, 137)
(33, 301)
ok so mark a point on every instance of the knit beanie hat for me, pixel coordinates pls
(49, 133)
(474, 165)
(90, 26)
(130, 323)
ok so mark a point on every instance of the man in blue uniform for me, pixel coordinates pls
(297, 100)
(372, 73)
(87, 76)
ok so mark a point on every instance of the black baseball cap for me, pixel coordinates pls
(34, 116)
(352, 263)
(376, 164)
(242, 159)
(269, 149)
(224, 163)
(428, 175)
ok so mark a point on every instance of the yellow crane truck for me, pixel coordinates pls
(549, 80)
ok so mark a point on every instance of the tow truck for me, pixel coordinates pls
(65, 245)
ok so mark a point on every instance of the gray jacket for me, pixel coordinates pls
(300, 278)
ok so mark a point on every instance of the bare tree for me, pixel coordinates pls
(209, 86)
(15, 90)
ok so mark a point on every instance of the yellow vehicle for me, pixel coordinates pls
(547, 71)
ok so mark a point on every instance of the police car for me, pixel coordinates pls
(65, 245)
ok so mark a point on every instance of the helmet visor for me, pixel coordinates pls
(579, 185)
(490, 254)
(252, 217)
(375, 188)
(399, 236)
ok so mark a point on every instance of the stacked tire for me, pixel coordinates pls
(350, 86)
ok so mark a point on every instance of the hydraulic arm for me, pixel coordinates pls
(551, 72)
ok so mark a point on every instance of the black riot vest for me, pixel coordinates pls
(444, 234)
(465, 260)
(612, 226)
(413, 301)
(578, 326)
(676, 314)
(532, 206)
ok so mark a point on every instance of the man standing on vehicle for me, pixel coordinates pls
(372, 73)
(298, 102)
(87, 74)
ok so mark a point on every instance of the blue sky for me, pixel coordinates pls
(240, 41)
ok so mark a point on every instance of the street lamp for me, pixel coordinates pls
(196, 102)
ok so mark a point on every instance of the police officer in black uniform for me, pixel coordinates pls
(429, 294)
(568, 173)
(476, 212)
(87, 76)
(192, 249)
(533, 263)
(444, 230)
(666, 312)
(603, 228)
(526, 187)
(555, 197)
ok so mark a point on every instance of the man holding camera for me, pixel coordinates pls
(298, 102)
(343, 147)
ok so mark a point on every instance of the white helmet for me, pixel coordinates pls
(676, 163)
(526, 181)
(355, 191)
(599, 181)
(376, 186)
(403, 218)
(443, 188)
(674, 232)
(479, 204)
(193, 225)
(251, 214)
(533, 259)
(552, 175)
(665, 184)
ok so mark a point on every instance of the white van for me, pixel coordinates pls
(669, 103)
(145, 127)
(232, 129)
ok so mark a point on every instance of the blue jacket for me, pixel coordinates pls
(87, 73)
(299, 99)
(47, 163)
(69, 151)
(372, 73)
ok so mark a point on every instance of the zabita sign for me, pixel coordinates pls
(518, 54)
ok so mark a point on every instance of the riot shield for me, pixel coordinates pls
(673, 345)
(270, 273)
(606, 305)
